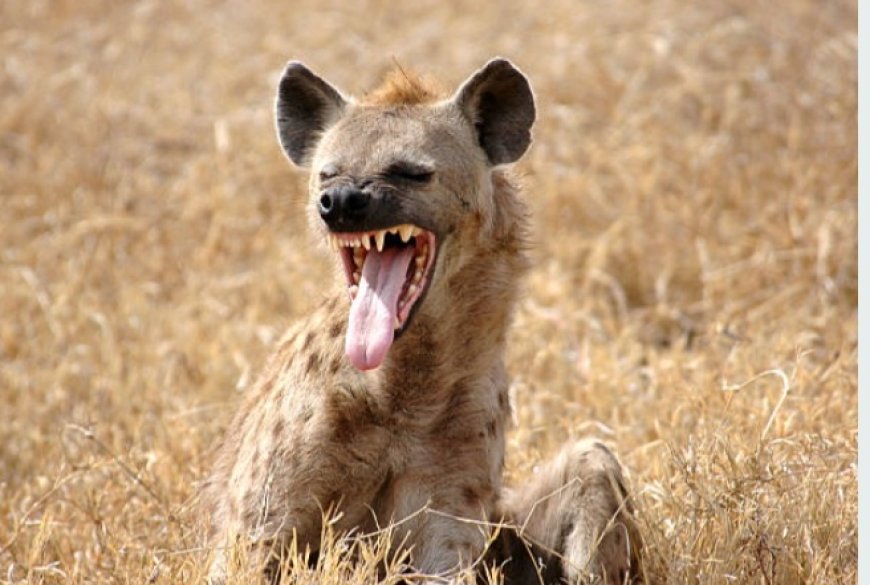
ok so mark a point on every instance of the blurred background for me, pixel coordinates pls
(693, 301)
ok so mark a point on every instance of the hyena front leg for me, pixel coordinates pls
(575, 513)
(444, 524)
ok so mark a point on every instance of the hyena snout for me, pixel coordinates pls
(345, 207)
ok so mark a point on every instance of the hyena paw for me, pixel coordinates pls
(576, 508)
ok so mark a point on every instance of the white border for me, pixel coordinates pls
(863, 323)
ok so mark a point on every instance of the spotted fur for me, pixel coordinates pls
(426, 429)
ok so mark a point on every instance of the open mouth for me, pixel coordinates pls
(387, 274)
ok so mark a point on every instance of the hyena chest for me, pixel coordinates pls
(406, 452)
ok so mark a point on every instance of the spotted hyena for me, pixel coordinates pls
(390, 401)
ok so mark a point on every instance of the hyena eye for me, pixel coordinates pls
(405, 171)
(329, 171)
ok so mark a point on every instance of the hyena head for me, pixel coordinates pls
(398, 180)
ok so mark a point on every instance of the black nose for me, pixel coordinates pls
(343, 204)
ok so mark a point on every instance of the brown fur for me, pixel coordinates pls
(404, 88)
(425, 430)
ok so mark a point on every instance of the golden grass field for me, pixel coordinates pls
(693, 300)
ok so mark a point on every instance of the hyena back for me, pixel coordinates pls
(392, 397)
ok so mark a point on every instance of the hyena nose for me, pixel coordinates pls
(343, 205)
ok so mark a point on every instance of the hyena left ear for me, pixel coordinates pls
(307, 105)
(497, 99)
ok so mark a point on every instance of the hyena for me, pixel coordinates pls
(390, 401)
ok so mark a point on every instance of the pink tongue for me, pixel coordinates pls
(373, 312)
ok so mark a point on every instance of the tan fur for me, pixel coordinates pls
(426, 430)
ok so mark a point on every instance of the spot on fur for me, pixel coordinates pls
(267, 387)
(309, 338)
(503, 400)
(471, 496)
(313, 362)
(343, 429)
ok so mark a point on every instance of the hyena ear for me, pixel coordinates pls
(499, 102)
(306, 106)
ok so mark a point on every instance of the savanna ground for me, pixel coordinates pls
(693, 299)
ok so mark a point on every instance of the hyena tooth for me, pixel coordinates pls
(353, 290)
(397, 324)
(359, 255)
(366, 241)
(418, 276)
(420, 260)
(406, 232)
(357, 275)
(412, 290)
(379, 239)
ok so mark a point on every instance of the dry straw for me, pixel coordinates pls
(694, 188)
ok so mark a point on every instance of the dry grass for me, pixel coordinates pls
(694, 297)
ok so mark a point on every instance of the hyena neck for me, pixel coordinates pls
(460, 335)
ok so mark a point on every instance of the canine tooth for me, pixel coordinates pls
(379, 239)
(366, 241)
(406, 232)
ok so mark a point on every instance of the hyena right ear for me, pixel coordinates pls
(499, 103)
(306, 106)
